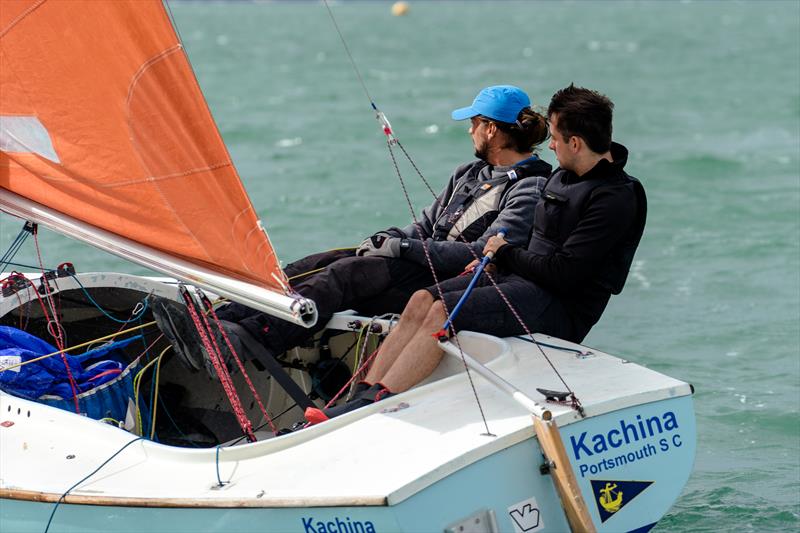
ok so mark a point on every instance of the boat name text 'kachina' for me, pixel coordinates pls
(627, 433)
(337, 525)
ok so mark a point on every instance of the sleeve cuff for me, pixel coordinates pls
(502, 253)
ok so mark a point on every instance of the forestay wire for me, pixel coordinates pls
(391, 141)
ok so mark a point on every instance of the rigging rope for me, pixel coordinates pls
(138, 311)
(15, 246)
(210, 344)
(96, 470)
(392, 140)
(71, 348)
(428, 259)
(207, 304)
(137, 381)
(59, 335)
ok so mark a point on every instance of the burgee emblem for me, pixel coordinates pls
(611, 496)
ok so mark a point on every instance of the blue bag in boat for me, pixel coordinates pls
(104, 383)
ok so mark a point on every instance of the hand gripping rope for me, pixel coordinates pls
(393, 141)
(442, 334)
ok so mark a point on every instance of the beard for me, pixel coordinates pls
(482, 151)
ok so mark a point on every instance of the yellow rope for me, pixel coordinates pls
(137, 380)
(306, 273)
(155, 396)
(303, 274)
(65, 350)
(358, 346)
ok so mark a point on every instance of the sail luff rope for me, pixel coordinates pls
(174, 25)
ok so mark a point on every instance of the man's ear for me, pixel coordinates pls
(491, 129)
(575, 143)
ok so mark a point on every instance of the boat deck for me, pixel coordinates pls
(418, 437)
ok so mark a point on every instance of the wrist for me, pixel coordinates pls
(502, 250)
(405, 245)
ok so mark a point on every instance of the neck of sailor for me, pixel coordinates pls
(586, 159)
(499, 152)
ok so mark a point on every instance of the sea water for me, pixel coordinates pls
(707, 99)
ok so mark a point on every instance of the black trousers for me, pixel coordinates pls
(370, 285)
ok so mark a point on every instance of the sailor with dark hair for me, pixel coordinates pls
(499, 189)
(587, 226)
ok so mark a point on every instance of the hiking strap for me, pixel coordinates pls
(272, 365)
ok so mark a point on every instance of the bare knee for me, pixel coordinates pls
(417, 307)
(421, 298)
(436, 314)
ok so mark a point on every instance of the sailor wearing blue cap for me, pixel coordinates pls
(498, 102)
(587, 227)
(497, 190)
(504, 110)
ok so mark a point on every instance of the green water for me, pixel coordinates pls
(707, 100)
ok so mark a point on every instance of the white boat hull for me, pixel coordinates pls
(420, 461)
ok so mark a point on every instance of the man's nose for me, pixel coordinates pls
(552, 145)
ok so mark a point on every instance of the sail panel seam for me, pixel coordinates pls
(241, 213)
(131, 89)
(21, 16)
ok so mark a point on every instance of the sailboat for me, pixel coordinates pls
(121, 152)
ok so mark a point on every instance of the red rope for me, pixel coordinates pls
(222, 370)
(57, 336)
(239, 364)
(366, 362)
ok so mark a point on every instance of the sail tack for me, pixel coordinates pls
(102, 121)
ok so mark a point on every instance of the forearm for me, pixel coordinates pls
(574, 263)
(556, 272)
(446, 256)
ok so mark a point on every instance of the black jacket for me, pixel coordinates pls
(586, 231)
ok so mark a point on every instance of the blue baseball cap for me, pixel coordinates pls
(499, 102)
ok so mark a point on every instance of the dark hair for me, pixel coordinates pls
(583, 113)
(527, 133)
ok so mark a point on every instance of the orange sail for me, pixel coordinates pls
(102, 121)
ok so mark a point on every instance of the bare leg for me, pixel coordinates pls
(409, 324)
(421, 355)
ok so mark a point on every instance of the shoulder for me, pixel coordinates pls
(531, 184)
(620, 198)
(460, 170)
(537, 167)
